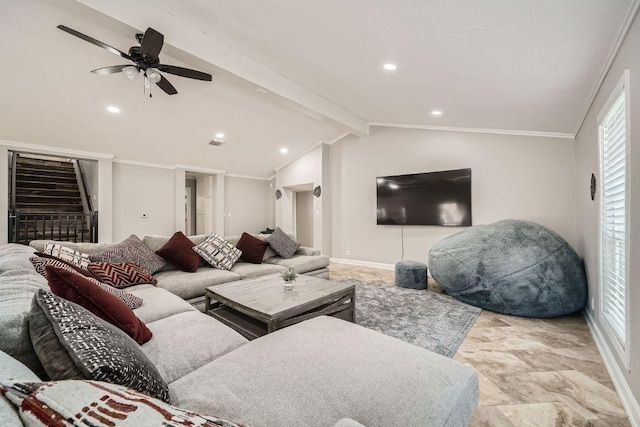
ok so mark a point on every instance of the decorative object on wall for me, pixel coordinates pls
(317, 191)
(278, 194)
(593, 187)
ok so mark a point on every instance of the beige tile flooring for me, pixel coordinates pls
(533, 372)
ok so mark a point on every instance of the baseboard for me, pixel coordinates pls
(363, 263)
(626, 396)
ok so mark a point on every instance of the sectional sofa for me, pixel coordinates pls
(191, 286)
(321, 372)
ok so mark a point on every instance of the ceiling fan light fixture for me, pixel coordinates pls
(153, 75)
(131, 72)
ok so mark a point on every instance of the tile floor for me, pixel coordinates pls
(533, 372)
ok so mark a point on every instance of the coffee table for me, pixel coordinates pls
(255, 307)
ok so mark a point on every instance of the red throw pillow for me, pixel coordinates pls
(252, 248)
(80, 290)
(179, 252)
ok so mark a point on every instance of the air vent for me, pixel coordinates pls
(216, 142)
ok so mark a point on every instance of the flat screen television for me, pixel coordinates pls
(433, 198)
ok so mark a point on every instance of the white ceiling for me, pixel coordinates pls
(495, 64)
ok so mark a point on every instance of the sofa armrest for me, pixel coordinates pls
(303, 250)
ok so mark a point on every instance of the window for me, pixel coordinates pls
(613, 128)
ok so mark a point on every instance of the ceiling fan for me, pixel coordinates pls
(145, 59)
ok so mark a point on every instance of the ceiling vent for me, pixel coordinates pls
(216, 142)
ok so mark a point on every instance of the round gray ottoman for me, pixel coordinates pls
(411, 274)
(512, 267)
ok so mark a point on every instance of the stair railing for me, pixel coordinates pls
(24, 228)
(14, 161)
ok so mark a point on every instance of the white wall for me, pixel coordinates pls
(587, 162)
(310, 169)
(512, 177)
(90, 170)
(246, 206)
(141, 190)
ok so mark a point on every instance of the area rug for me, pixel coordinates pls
(424, 318)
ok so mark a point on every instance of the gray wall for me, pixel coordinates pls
(587, 162)
(246, 205)
(519, 177)
(141, 190)
(151, 190)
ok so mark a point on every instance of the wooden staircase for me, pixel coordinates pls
(48, 202)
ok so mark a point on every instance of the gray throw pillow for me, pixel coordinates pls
(99, 351)
(282, 244)
(131, 249)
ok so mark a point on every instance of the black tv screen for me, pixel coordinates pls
(434, 198)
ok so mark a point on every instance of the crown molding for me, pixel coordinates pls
(613, 54)
(476, 130)
(145, 164)
(200, 169)
(257, 178)
(54, 151)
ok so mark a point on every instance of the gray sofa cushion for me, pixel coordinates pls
(158, 304)
(249, 271)
(11, 369)
(192, 285)
(324, 369)
(17, 288)
(186, 341)
(15, 257)
(301, 263)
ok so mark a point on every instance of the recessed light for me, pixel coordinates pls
(284, 150)
(113, 109)
(389, 66)
(219, 135)
(437, 113)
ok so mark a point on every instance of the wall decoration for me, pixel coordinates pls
(593, 187)
(317, 191)
(278, 194)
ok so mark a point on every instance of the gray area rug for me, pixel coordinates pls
(424, 318)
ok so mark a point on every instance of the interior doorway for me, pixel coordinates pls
(190, 207)
(304, 217)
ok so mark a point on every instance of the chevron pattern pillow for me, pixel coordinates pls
(121, 274)
(218, 252)
(39, 263)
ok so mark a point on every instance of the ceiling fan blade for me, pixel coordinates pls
(110, 70)
(185, 72)
(151, 44)
(166, 86)
(94, 41)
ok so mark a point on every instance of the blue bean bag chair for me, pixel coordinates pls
(512, 267)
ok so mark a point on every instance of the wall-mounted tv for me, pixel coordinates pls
(433, 198)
